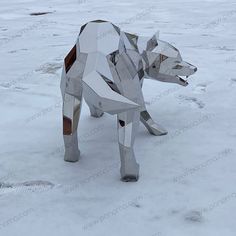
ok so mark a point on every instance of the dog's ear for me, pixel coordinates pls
(142, 43)
(157, 34)
(147, 43)
(127, 41)
(152, 42)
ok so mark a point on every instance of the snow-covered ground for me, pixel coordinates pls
(187, 182)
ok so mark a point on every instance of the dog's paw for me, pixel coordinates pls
(130, 178)
(72, 155)
(157, 130)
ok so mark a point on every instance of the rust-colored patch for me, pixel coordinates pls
(67, 126)
(70, 59)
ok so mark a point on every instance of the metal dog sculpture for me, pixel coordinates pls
(107, 66)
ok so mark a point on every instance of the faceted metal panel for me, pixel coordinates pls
(107, 68)
(99, 37)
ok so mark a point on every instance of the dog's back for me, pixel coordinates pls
(99, 36)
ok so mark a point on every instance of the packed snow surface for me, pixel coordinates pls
(187, 178)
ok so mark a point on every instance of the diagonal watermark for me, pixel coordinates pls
(203, 165)
(112, 213)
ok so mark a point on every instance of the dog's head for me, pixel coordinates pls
(163, 62)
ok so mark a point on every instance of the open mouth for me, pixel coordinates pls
(183, 81)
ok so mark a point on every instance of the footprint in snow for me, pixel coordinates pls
(200, 88)
(38, 183)
(192, 101)
(9, 86)
(49, 68)
(5, 85)
(193, 217)
(224, 48)
(14, 51)
(31, 186)
(233, 82)
(5, 185)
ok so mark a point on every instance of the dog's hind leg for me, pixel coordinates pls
(150, 124)
(71, 114)
(71, 88)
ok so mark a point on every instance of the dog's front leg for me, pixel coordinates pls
(151, 125)
(128, 123)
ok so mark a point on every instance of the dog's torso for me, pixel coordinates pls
(117, 61)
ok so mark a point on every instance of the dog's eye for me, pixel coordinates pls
(154, 66)
(163, 57)
(178, 67)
